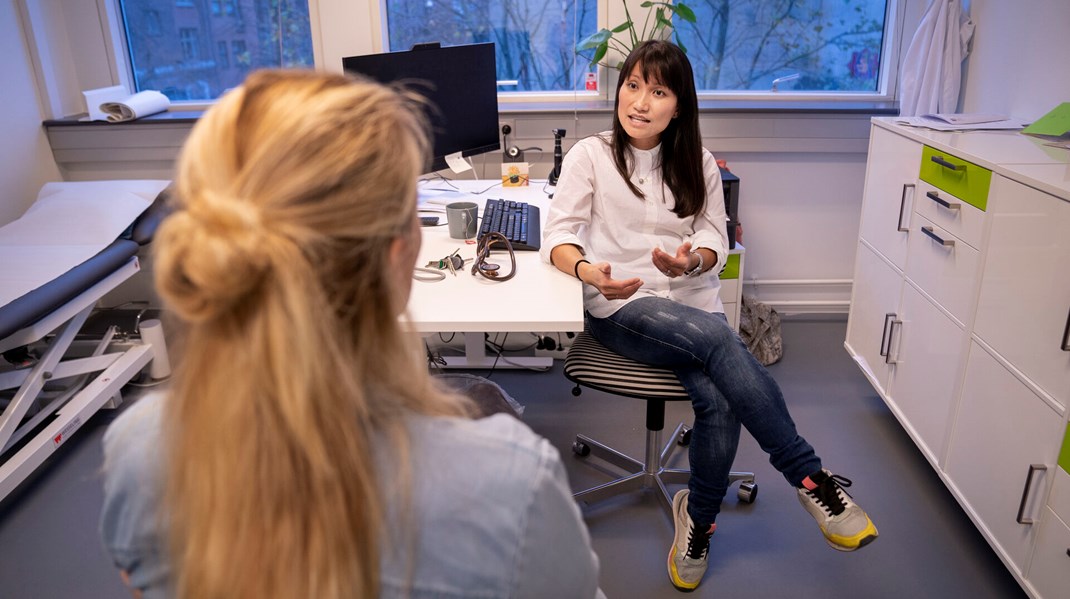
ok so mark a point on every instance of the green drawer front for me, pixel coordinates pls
(731, 268)
(965, 180)
(1064, 455)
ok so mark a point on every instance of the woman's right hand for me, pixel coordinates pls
(599, 275)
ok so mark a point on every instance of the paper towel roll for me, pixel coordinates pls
(152, 334)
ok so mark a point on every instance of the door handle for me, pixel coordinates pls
(932, 195)
(954, 167)
(888, 359)
(884, 334)
(945, 242)
(1066, 334)
(1025, 492)
(902, 204)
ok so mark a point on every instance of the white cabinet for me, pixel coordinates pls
(1002, 454)
(874, 306)
(891, 179)
(1024, 305)
(1049, 570)
(928, 357)
(960, 318)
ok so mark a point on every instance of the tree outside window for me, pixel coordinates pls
(832, 45)
(197, 49)
(534, 39)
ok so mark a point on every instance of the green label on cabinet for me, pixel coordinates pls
(731, 267)
(1064, 455)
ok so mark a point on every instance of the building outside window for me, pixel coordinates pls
(223, 56)
(178, 60)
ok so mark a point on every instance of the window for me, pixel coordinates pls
(830, 46)
(535, 39)
(172, 51)
(241, 56)
(810, 45)
(188, 37)
(223, 55)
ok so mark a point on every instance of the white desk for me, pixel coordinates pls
(539, 298)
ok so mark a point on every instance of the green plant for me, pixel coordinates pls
(603, 39)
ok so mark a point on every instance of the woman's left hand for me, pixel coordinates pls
(673, 266)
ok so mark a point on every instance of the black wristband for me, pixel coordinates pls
(576, 269)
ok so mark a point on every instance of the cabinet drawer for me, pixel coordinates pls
(961, 219)
(946, 271)
(964, 180)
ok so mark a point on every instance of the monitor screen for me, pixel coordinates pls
(459, 81)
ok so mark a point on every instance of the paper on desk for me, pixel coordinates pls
(457, 163)
(962, 122)
(136, 106)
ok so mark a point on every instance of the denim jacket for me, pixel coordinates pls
(493, 512)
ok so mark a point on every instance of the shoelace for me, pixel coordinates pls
(828, 493)
(698, 543)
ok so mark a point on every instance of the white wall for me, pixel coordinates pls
(1016, 66)
(25, 158)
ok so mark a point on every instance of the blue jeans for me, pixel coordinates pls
(727, 385)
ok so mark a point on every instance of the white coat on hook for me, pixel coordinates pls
(931, 71)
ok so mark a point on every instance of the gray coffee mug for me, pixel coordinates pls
(461, 217)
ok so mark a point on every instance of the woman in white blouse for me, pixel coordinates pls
(639, 217)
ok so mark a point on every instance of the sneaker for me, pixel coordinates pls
(690, 552)
(845, 526)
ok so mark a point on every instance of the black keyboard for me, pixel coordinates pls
(518, 221)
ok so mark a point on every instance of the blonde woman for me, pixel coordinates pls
(303, 450)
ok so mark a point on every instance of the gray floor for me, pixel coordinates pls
(927, 548)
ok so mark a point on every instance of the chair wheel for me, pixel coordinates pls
(576, 391)
(581, 449)
(748, 492)
(685, 437)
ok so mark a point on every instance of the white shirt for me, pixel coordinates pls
(594, 209)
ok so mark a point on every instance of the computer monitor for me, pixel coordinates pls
(459, 81)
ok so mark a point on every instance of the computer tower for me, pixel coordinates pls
(730, 185)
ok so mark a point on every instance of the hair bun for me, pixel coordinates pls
(214, 255)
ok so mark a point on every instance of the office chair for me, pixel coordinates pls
(589, 364)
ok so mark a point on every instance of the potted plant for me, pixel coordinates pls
(602, 40)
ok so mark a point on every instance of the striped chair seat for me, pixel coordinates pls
(590, 364)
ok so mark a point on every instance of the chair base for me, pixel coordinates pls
(651, 474)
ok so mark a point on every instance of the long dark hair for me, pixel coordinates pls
(681, 142)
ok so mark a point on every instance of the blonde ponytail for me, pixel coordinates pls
(292, 359)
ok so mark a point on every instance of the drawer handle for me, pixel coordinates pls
(902, 204)
(888, 359)
(1066, 334)
(955, 167)
(945, 242)
(1025, 492)
(884, 334)
(932, 195)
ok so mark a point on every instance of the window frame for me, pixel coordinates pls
(70, 57)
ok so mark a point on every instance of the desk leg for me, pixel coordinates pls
(475, 356)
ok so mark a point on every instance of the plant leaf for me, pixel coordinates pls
(647, 4)
(594, 40)
(622, 27)
(600, 53)
(684, 12)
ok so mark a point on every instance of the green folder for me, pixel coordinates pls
(1055, 124)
